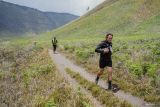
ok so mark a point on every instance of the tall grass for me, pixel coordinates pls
(106, 98)
(28, 78)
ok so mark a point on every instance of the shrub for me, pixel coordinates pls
(152, 70)
(136, 69)
(84, 54)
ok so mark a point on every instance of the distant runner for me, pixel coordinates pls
(54, 43)
(105, 50)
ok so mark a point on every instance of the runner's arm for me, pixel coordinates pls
(99, 48)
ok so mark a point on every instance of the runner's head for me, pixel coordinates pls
(109, 37)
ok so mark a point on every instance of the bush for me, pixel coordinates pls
(45, 69)
(136, 69)
(145, 68)
(152, 70)
(156, 49)
(84, 54)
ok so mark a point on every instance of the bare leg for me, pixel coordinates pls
(99, 74)
(110, 73)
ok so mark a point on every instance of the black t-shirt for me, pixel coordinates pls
(101, 46)
(54, 42)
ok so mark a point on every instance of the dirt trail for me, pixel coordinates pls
(62, 63)
(72, 82)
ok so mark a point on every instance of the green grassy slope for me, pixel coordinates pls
(121, 17)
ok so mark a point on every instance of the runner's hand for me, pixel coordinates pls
(106, 50)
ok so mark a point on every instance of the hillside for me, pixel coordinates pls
(121, 17)
(21, 19)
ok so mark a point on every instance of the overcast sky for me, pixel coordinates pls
(77, 7)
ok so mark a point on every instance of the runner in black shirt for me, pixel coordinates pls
(54, 43)
(105, 50)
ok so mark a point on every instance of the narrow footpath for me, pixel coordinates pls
(62, 63)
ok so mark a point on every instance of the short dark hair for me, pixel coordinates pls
(109, 34)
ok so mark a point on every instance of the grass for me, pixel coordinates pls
(28, 77)
(66, 97)
(23, 83)
(122, 17)
(140, 71)
(106, 98)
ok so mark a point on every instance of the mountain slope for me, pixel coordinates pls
(20, 19)
(121, 17)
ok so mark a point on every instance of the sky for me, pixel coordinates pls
(76, 7)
